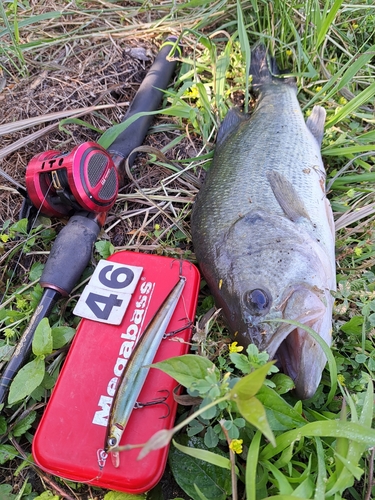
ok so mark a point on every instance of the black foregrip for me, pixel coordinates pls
(70, 254)
(148, 98)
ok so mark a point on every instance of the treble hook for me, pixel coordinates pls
(156, 401)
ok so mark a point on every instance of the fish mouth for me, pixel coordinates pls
(298, 353)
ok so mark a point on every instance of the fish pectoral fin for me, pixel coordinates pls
(287, 196)
(232, 120)
(315, 123)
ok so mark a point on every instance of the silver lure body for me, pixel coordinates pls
(136, 370)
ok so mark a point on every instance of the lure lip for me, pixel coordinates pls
(132, 379)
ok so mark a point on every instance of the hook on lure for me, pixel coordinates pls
(157, 401)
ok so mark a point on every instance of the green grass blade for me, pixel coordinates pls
(251, 466)
(322, 472)
(328, 428)
(245, 47)
(15, 45)
(343, 77)
(207, 456)
(349, 108)
(328, 20)
(180, 110)
(282, 482)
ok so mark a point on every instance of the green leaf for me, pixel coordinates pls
(26, 380)
(61, 335)
(42, 342)
(213, 481)
(117, 495)
(352, 468)
(20, 226)
(194, 428)
(241, 362)
(24, 425)
(47, 495)
(7, 452)
(104, 248)
(5, 352)
(280, 415)
(36, 271)
(353, 326)
(255, 413)
(6, 492)
(187, 369)
(283, 383)
(210, 412)
(211, 439)
(248, 386)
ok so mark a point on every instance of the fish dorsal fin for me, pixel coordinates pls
(315, 123)
(231, 121)
(287, 196)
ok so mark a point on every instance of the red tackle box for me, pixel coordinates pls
(70, 438)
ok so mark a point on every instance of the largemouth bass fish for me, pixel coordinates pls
(263, 229)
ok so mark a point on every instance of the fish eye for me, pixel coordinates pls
(112, 441)
(257, 301)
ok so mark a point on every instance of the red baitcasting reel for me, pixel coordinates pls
(84, 179)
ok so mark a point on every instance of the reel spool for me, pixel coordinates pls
(84, 179)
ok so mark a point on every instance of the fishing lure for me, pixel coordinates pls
(136, 370)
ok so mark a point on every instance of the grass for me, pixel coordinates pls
(324, 445)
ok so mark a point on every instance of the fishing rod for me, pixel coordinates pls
(85, 182)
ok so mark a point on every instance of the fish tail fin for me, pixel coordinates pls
(264, 69)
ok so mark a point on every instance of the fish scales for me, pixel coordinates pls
(263, 229)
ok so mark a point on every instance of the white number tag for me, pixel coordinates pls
(108, 293)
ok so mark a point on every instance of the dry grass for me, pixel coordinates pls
(102, 65)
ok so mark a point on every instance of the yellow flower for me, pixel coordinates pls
(236, 445)
(341, 379)
(234, 347)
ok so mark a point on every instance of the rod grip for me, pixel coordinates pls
(147, 98)
(70, 253)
